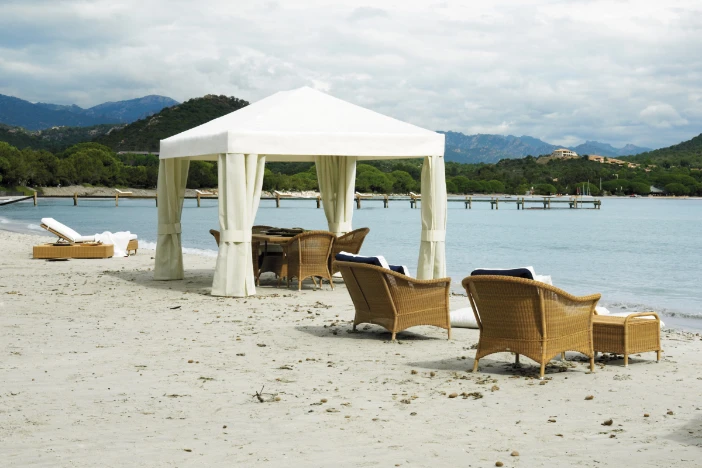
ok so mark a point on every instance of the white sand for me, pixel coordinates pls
(95, 372)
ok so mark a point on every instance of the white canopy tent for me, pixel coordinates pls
(298, 125)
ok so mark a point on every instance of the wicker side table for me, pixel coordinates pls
(627, 335)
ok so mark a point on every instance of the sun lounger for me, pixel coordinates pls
(123, 192)
(66, 235)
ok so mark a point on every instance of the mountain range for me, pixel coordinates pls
(39, 116)
(486, 148)
(151, 118)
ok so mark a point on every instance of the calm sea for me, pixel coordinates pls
(640, 254)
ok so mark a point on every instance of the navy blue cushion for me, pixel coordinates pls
(369, 261)
(358, 259)
(398, 269)
(516, 272)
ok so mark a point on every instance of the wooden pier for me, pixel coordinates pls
(521, 203)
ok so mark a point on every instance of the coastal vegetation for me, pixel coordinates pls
(62, 156)
(96, 164)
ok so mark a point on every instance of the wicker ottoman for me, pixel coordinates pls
(627, 335)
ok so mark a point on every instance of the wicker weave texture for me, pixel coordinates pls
(395, 301)
(307, 256)
(133, 246)
(350, 242)
(627, 335)
(530, 318)
(82, 250)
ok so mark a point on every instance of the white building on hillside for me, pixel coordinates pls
(564, 153)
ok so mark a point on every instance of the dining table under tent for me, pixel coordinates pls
(298, 125)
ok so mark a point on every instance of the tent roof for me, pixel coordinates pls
(300, 124)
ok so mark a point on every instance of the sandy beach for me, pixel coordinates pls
(102, 366)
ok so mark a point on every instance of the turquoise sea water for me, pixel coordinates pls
(640, 254)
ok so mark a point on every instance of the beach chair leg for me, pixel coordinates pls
(626, 360)
(393, 336)
(658, 356)
(542, 371)
(299, 284)
(563, 357)
(331, 282)
(475, 365)
(592, 364)
(516, 360)
(449, 333)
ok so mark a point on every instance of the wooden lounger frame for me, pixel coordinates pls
(82, 250)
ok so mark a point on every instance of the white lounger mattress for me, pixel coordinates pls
(70, 233)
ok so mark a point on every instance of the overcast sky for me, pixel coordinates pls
(563, 71)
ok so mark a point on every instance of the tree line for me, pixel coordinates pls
(95, 164)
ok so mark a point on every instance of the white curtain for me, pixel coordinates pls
(337, 178)
(172, 177)
(240, 181)
(432, 249)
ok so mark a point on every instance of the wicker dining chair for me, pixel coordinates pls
(528, 317)
(350, 242)
(395, 301)
(307, 255)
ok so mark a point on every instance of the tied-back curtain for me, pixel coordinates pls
(240, 181)
(337, 179)
(172, 177)
(432, 249)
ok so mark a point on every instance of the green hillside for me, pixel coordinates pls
(53, 139)
(685, 154)
(145, 134)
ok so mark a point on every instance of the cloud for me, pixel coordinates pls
(557, 70)
(662, 116)
(363, 13)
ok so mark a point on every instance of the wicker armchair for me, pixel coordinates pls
(395, 301)
(307, 255)
(350, 242)
(530, 318)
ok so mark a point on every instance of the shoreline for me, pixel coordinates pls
(103, 363)
(673, 320)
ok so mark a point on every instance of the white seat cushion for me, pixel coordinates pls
(463, 318)
(64, 230)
